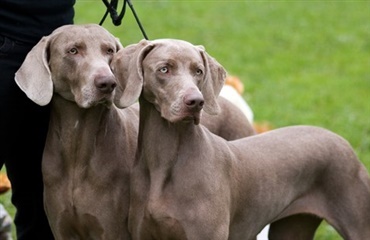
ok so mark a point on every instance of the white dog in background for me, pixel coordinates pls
(232, 91)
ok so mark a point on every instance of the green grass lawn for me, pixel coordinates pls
(302, 62)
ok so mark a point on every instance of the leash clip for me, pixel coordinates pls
(117, 18)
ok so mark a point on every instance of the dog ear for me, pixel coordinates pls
(127, 67)
(118, 44)
(34, 77)
(214, 80)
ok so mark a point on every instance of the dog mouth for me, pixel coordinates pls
(177, 113)
(90, 97)
(193, 117)
(189, 117)
(105, 101)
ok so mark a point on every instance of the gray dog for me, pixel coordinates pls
(190, 184)
(90, 144)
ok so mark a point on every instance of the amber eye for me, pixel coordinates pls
(73, 51)
(199, 72)
(163, 70)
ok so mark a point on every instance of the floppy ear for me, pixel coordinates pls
(127, 67)
(118, 44)
(214, 80)
(34, 77)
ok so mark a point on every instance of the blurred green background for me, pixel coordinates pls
(301, 62)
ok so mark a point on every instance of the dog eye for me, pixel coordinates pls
(110, 51)
(163, 69)
(199, 72)
(73, 51)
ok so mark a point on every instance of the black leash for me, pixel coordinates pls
(117, 18)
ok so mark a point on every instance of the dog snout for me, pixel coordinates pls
(194, 101)
(105, 84)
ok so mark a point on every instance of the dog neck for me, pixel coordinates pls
(68, 115)
(161, 142)
(71, 126)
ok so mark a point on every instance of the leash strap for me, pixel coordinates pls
(117, 18)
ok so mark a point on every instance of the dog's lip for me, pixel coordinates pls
(105, 100)
(182, 115)
(192, 117)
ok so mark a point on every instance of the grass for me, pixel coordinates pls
(302, 62)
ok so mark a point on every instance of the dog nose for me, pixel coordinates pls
(105, 84)
(194, 101)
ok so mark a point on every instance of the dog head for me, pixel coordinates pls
(180, 79)
(73, 61)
